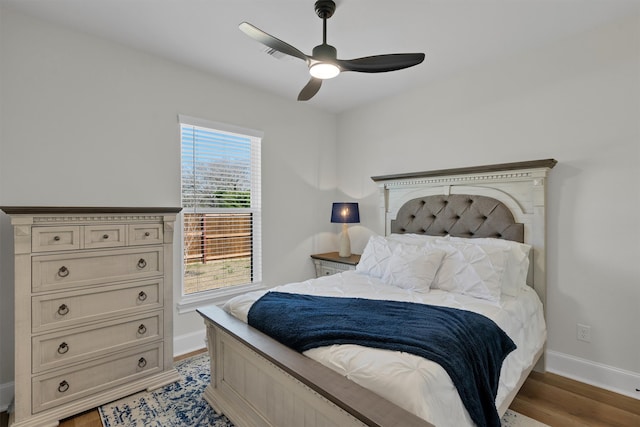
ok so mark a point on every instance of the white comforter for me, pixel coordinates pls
(411, 382)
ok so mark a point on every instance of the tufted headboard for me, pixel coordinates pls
(459, 215)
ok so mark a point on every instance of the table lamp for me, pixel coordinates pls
(345, 213)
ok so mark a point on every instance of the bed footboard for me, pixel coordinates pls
(256, 381)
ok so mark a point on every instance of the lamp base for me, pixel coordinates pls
(345, 243)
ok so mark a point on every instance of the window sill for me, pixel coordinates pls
(189, 303)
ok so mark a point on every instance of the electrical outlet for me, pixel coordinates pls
(583, 332)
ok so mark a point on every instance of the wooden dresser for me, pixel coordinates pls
(93, 307)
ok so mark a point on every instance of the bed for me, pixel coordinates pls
(256, 381)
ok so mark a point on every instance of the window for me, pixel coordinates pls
(221, 206)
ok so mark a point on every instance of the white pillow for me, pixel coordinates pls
(471, 269)
(517, 268)
(375, 257)
(412, 238)
(413, 267)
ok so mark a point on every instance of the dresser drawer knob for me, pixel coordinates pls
(142, 362)
(63, 386)
(56, 238)
(105, 236)
(142, 263)
(63, 310)
(142, 329)
(63, 348)
(147, 234)
(63, 271)
(142, 296)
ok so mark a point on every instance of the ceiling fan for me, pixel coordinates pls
(323, 63)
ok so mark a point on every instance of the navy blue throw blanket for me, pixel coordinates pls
(470, 347)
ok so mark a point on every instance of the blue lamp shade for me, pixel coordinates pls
(345, 213)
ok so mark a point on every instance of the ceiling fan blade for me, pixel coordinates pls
(310, 89)
(270, 41)
(381, 63)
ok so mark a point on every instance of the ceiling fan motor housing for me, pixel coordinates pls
(325, 52)
(325, 8)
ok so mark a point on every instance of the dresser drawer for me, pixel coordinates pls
(55, 350)
(64, 309)
(46, 239)
(325, 270)
(50, 390)
(104, 236)
(146, 234)
(54, 272)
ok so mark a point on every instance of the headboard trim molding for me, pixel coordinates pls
(478, 171)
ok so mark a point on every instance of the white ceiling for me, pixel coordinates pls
(453, 34)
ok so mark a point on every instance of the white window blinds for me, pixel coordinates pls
(221, 205)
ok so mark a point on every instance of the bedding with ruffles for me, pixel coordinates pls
(469, 346)
(414, 383)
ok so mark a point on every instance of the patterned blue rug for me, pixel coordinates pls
(181, 404)
(176, 405)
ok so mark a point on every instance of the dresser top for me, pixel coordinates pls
(47, 210)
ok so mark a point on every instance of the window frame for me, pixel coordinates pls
(190, 302)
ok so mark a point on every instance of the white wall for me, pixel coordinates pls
(90, 123)
(577, 101)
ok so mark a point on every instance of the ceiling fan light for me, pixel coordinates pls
(324, 70)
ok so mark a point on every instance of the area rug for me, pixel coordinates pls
(181, 404)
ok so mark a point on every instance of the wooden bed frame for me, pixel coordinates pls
(256, 381)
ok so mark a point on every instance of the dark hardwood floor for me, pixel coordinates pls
(549, 398)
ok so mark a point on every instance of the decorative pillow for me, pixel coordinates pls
(375, 257)
(471, 269)
(413, 267)
(517, 267)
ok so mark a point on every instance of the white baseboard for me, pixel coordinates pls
(606, 377)
(183, 344)
(6, 395)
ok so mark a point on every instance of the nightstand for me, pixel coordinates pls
(332, 263)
